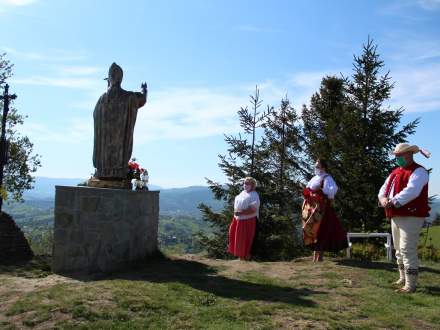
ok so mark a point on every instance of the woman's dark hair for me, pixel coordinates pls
(323, 163)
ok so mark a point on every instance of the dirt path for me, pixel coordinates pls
(281, 270)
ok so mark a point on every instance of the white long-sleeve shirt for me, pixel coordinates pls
(243, 201)
(417, 180)
(329, 189)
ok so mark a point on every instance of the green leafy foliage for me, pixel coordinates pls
(22, 162)
(176, 233)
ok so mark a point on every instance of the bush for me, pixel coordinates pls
(429, 252)
(41, 241)
(367, 251)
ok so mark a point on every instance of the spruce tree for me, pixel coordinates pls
(283, 145)
(280, 189)
(270, 158)
(242, 159)
(349, 123)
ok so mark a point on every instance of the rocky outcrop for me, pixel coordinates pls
(13, 245)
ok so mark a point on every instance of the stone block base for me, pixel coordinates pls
(102, 230)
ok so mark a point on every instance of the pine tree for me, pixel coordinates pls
(349, 123)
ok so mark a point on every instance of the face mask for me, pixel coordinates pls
(318, 171)
(401, 161)
(247, 187)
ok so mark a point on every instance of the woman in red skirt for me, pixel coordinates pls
(322, 230)
(242, 227)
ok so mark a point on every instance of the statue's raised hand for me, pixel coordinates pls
(144, 88)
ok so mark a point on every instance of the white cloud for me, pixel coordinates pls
(66, 82)
(183, 113)
(54, 55)
(415, 69)
(16, 2)
(307, 79)
(412, 49)
(429, 4)
(177, 113)
(410, 10)
(417, 88)
(76, 131)
(171, 114)
(180, 113)
(304, 84)
(78, 70)
(249, 28)
(255, 29)
(73, 77)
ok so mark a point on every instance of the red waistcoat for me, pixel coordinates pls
(418, 207)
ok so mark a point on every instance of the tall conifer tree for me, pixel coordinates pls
(242, 159)
(271, 159)
(349, 123)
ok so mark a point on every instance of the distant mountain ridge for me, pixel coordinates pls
(173, 201)
(44, 188)
(180, 201)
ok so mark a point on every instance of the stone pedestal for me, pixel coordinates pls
(102, 230)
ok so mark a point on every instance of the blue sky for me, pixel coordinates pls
(201, 60)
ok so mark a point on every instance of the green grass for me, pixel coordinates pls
(182, 293)
(433, 236)
(38, 267)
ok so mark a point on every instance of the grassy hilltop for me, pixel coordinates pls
(190, 292)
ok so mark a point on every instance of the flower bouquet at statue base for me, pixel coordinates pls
(95, 182)
(137, 175)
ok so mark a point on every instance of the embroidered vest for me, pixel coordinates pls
(418, 207)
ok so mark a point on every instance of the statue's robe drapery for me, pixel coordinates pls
(115, 117)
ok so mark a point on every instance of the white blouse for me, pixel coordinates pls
(417, 180)
(329, 189)
(243, 201)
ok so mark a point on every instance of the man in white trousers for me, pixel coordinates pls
(404, 195)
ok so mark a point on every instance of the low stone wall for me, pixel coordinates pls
(102, 230)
